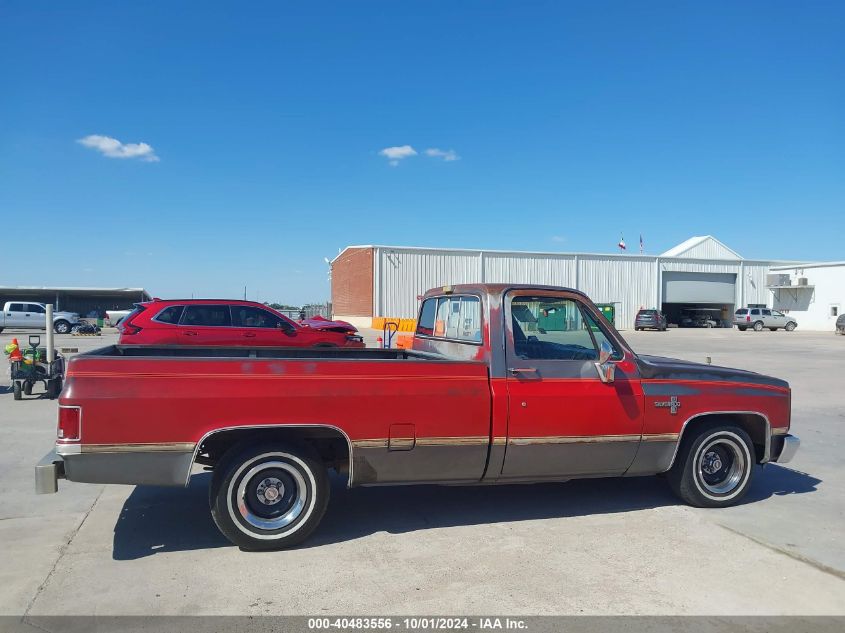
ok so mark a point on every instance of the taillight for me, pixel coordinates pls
(69, 423)
(128, 328)
(748, 318)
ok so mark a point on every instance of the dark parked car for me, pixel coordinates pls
(651, 320)
(840, 324)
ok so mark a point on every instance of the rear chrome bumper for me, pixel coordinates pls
(48, 471)
(783, 451)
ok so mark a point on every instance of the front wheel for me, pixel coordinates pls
(789, 326)
(61, 327)
(269, 496)
(16, 388)
(27, 388)
(714, 468)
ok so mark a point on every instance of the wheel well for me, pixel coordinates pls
(329, 443)
(754, 424)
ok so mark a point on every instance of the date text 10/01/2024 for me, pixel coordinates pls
(417, 623)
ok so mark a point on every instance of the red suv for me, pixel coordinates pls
(210, 322)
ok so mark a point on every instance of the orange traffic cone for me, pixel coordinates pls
(16, 353)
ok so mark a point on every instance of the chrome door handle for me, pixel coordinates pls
(522, 370)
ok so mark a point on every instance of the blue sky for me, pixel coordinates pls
(569, 123)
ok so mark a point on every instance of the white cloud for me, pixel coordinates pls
(397, 153)
(447, 155)
(113, 148)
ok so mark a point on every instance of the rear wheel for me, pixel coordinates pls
(741, 328)
(714, 468)
(758, 327)
(269, 496)
(790, 326)
(27, 388)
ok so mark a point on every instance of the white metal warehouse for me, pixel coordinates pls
(700, 273)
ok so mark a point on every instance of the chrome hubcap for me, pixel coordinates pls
(711, 463)
(270, 491)
(271, 495)
(722, 465)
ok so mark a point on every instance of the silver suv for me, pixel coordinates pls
(761, 318)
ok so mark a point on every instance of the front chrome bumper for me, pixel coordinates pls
(48, 471)
(783, 451)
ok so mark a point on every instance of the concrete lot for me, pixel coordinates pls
(590, 547)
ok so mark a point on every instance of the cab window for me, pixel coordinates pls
(36, 308)
(552, 328)
(425, 324)
(456, 317)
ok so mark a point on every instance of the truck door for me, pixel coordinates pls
(563, 420)
(15, 315)
(36, 316)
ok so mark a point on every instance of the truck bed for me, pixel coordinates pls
(262, 352)
(141, 400)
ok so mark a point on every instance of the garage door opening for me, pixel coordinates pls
(698, 299)
(706, 315)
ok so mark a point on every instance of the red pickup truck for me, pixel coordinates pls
(503, 384)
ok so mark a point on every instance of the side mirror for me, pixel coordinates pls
(606, 368)
(286, 328)
(605, 352)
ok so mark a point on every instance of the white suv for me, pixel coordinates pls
(761, 318)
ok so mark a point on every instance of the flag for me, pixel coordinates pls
(641, 243)
(621, 242)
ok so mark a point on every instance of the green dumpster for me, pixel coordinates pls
(608, 311)
(552, 318)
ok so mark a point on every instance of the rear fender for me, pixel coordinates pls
(222, 439)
